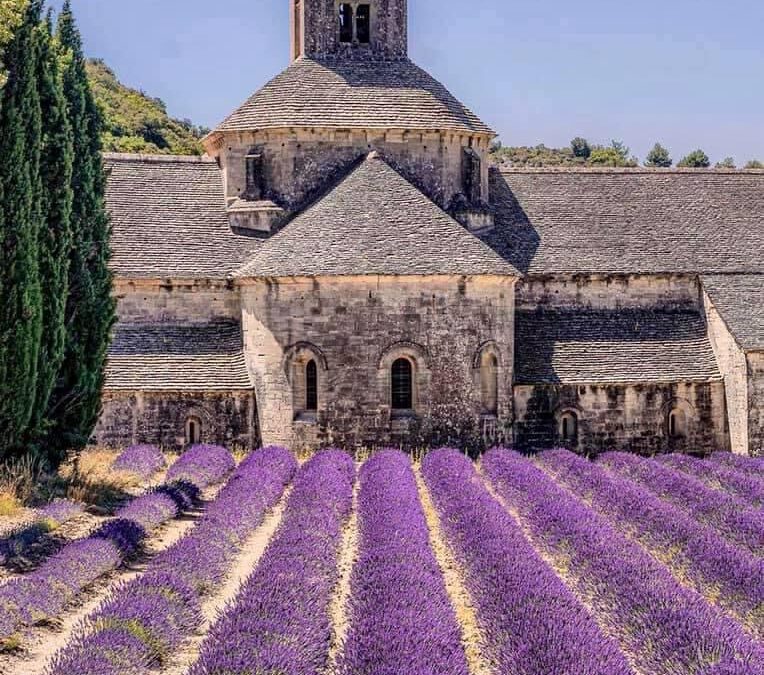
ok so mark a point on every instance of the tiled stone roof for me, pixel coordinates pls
(169, 220)
(373, 222)
(341, 93)
(580, 346)
(174, 357)
(739, 299)
(629, 221)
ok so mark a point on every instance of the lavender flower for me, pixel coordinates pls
(667, 628)
(141, 460)
(59, 511)
(728, 516)
(739, 462)
(692, 551)
(532, 623)
(202, 465)
(279, 622)
(150, 510)
(145, 620)
(746, 486)
(401, 619)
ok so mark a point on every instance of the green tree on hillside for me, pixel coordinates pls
(20, 226)
(581, 148)
(55, 237)
(11, 15)
(617, 154)
(754, 164)
(658, 157)
(726, 163)
(697, 159)
(90, 309)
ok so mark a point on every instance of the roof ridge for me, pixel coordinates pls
(157, 159)
(626, 170)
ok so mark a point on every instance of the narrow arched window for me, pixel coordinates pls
(346, 22)
(363, 24)
(402, 382)
(489, 383)
(193, 431)
(311, 386)
(677, 426)
(569, 427)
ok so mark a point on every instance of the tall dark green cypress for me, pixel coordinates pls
(90, 308)
(55, 238)
(20, 225)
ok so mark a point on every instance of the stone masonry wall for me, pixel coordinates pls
(355, 327)
(622, 417)
(160, 418)
(756, 403)
(301, 164)
(734, 368)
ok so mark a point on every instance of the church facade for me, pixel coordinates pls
(345, 267)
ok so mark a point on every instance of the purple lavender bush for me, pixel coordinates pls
(145, 620)
(202, 465)
(279, 622)
(739, 462)
(666, 627)
(401, 619)
(60, 511)
(728, 516)
(711, 564)
(531, 622)
(142, 461)
(150, 510)
(746, 486)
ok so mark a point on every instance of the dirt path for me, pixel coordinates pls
(466, 613)
(40, 643)
(338, 609)
(242, 567)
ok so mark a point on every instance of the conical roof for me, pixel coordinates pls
(347, 94)
(373, 222)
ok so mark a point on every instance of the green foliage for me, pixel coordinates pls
(11, 15)
(581, 148)
(726, 163)
(754, 164)
(539, 155)
(20, 226)
(617, 155)
(135, 122)
(697, 159)
(90, 309)
(659, 157)
(55, 237)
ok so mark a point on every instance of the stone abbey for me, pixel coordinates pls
(345, 267)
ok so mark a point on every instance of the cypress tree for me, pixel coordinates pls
(20, 225)
(55, 238)
(90, 309)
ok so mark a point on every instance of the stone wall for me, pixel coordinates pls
(756, 403)
(622, 417)
(355, 327)
(175, 301)
(300, 164)
(160, 418)
(734, 368)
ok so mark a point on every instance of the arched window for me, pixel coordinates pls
(363, 24)
(677, 423)
(346, 22)
(402, 382)
(311, 386)
(489, 383)
(193, 431)
(569, 427)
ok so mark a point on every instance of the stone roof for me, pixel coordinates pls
(629, 220)
(373, 222)
(739, 299)
(177, 357)
(169, 220)
(344, 93)
(584, 346)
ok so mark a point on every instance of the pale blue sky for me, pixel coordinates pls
(686, 72)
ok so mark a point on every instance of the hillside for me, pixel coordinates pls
(136, 122)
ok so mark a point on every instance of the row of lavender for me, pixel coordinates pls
(146, 620)
(661, 624)
(44, 593)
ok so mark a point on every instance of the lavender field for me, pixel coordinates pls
(551, 565)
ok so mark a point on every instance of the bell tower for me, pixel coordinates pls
(372, 29)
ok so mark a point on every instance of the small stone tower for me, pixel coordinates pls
(374, 29)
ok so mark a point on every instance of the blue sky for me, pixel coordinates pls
(689, 73)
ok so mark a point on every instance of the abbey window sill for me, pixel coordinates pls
(306, 418)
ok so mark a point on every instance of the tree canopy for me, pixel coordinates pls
(659, 157)
(697, 159)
